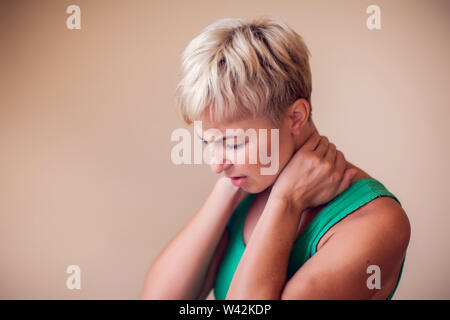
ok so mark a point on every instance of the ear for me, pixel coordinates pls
(298, 115)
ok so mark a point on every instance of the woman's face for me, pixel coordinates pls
(257, 154)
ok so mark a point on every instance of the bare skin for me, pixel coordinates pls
(259, 202)
(358, 219)
(357, 236)
(377, 233)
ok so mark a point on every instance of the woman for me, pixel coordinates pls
(317, 227)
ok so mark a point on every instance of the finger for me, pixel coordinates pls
(311, 143)
(322, 147)
(346, 180)
(331, 153)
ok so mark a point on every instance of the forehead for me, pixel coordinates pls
(216, 131)
(211, 131)
(244, 124)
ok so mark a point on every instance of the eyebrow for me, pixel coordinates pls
(218, 140)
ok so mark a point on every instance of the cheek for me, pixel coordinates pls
(286, 151)
(251, 153)
(264, 181)
(253, 159)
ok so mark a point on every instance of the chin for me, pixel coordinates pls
(256, 187)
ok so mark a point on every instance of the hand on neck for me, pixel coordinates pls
(310, 130)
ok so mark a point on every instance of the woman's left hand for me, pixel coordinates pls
(314, 175)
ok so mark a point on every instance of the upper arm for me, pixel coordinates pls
(214, 265)
(378, 236)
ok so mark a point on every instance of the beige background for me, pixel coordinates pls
(86, 117)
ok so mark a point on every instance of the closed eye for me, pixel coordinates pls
(235, 146)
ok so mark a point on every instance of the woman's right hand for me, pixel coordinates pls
(314, 175)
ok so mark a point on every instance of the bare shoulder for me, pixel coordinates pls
(376, 233)
(384, 214)
(382, 218)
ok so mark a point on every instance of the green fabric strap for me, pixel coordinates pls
(359, 193)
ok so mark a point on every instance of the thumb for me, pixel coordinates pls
(346, 180)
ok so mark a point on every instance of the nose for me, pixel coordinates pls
(218, 168)
(219, 162)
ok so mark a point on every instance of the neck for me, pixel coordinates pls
(309, 130)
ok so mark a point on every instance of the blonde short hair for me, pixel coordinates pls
(237, 68)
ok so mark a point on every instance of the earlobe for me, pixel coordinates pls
(295, 129)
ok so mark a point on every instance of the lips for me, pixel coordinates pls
(238, 180)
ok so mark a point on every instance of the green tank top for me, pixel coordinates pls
(359, 193)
